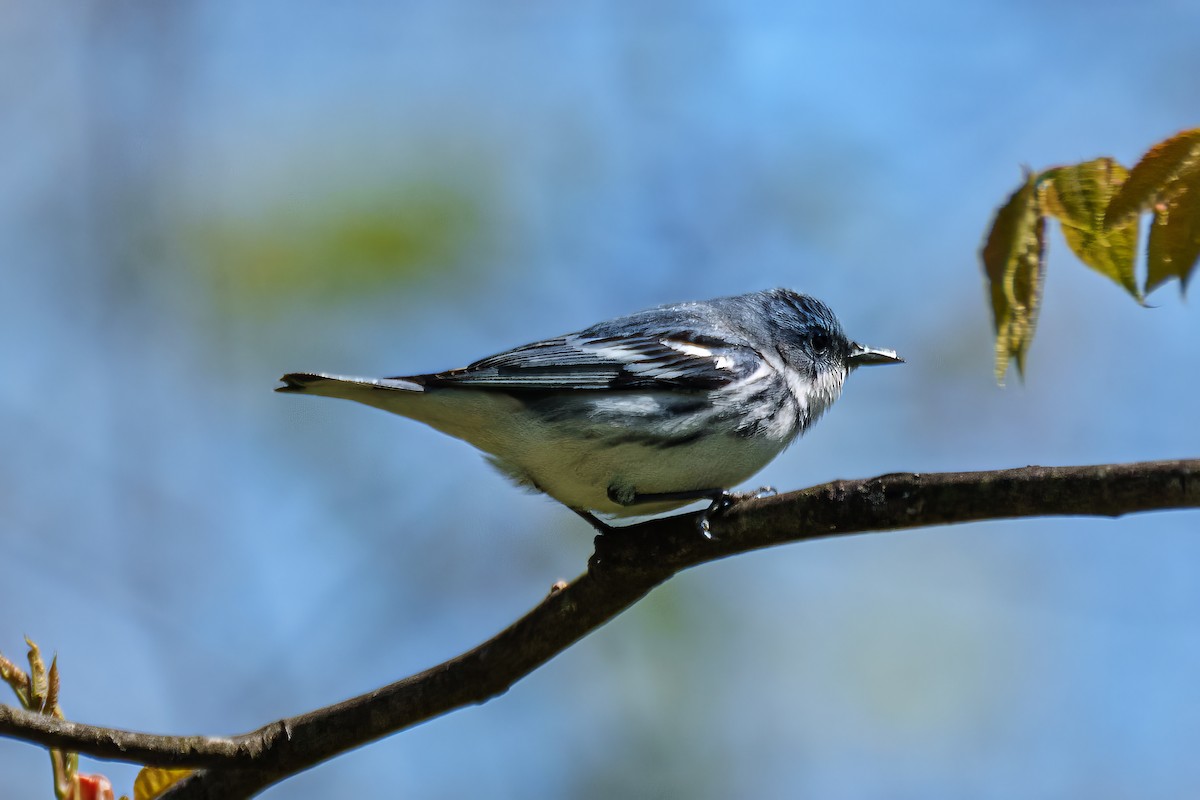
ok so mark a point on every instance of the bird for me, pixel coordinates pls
(641, 414)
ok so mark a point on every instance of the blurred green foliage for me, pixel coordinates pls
(338, 246)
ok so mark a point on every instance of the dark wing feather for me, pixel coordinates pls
(588, 360)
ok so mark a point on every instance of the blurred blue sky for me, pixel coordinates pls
(197, 197)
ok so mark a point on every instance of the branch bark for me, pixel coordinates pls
(623, 569)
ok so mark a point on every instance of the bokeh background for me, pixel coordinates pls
(196, 197)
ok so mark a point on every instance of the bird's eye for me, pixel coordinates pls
(819, 340)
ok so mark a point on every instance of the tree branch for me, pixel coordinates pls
(623, 569)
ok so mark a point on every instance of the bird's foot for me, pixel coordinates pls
(725, 501)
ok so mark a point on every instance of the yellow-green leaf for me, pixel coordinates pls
(1013, 259)
(1149, 180)
(153, 781)
(1174, 245)
(1078, 196)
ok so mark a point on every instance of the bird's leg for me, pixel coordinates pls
(721, 501)
(600, 525)
(635, 499)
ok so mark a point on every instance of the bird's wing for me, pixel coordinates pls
(675, 359)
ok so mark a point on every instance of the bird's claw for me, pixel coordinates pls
(723, 502)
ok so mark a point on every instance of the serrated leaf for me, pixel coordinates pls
(1174, 245)
(1150, 178)
(1078, 196)
(153, 781)
(1014, 261)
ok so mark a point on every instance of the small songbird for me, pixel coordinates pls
(640, 414)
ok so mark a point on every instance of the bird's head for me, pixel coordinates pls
(810, 340)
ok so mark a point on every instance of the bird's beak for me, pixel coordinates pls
(864, 356)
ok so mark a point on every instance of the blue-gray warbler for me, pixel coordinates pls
(643, 413)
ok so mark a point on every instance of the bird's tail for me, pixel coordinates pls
(465, 414)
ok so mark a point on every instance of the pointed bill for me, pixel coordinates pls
(861, 356)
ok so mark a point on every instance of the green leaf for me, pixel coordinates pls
(1078, 197)
(1174, 245)
(1149, 180)
(1014, 262)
